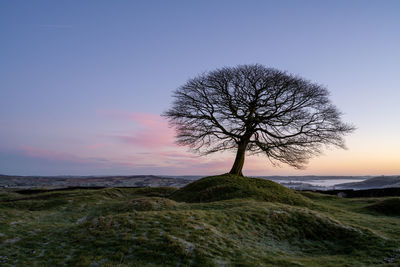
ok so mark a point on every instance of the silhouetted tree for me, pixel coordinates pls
(256, 109)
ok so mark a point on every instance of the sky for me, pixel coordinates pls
(83, 83)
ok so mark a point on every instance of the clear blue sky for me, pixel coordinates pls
(82, 82)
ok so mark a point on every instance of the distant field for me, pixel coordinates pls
(145, 227)
(40, 182)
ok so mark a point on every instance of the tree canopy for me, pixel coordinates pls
(259, 110)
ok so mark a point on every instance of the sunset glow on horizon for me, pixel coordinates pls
(83, 84)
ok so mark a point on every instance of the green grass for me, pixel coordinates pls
(228, 186)
(148, 227)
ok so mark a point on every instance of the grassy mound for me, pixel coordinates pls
(227, 186)
(128, 227)
(390, 206)
(246, 233)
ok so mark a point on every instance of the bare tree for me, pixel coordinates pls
(256, 109)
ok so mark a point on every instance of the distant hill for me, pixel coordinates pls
(375, 182)
(294, 182)
(7, 181)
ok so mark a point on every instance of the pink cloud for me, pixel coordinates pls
(153, 134)
(96, 146)
(153, 131)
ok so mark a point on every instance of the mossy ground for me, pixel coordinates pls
(144, 227)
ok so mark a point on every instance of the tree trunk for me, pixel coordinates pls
(239, 160)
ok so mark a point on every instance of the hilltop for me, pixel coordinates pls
(228, 186)
(129, 226)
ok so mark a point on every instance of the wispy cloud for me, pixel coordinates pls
(97, 146)
(152, 130)
(153, 134)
